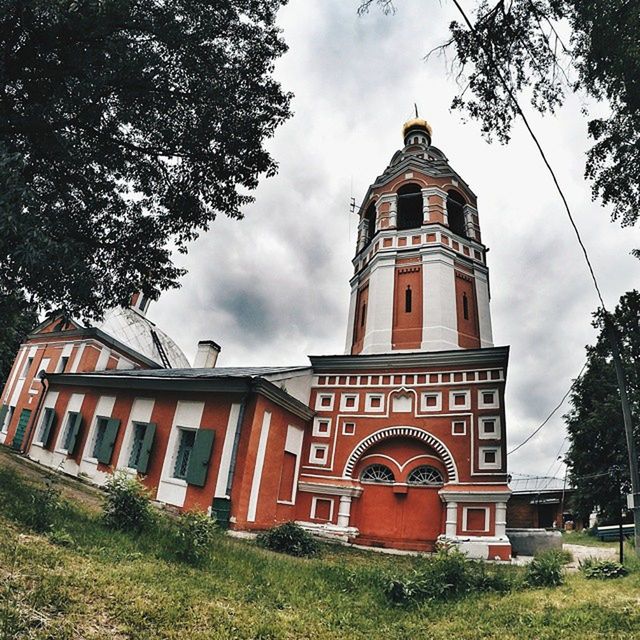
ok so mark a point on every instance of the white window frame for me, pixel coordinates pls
(459, 407)
(490, 465)
(343, 402)
(453, 428)
(319, 454)
(314, 504)
(4, 427)
(59, 367)
(26, 367)
(488, 435)
(322, 433)
(319, 397)
(491, 405)
(429, 394)
(62, 436)
(344, 428)
(367, 404)
(465, 516)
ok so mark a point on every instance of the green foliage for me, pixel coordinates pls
(193, 535)
(44, 505)
(546, 569)
(60, 538)
(602, 569)
(448, 574)
(126, 126)
(17, 318)
(597, 456)
(127, 506)
(598, 58)
(289, 538)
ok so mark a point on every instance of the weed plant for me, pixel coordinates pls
(593, 568)
(193, 536)
(289, 538)
(127, 505)
(546, 569)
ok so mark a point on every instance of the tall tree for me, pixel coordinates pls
(597, 459)
(126, 126)
(17, 318)
(600, 58)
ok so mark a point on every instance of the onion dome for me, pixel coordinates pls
(418, 126)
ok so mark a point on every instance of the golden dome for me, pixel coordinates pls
(416, 123)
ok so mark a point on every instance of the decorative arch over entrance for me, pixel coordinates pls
(399, 432)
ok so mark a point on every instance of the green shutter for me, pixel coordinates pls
(108, 440)
(200, 456)
(3, 414)
(145, 451)
(47, 425)
(74, 430)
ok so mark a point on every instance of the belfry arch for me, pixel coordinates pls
(402, 432)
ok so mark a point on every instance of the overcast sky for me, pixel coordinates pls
(273, 287)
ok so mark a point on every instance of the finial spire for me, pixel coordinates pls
(416, 106)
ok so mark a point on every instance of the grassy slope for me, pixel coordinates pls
(114, 585)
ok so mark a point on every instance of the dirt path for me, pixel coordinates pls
(71, 489)
(580, 552)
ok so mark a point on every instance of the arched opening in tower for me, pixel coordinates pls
(409, 207)
(455, 213)
(370, 217)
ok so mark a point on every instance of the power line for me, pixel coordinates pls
(537, 429)
(520, 112)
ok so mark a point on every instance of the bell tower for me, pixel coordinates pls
(420, 280)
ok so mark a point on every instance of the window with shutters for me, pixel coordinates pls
(70, 432)
(45, 426)
(185, 447)
(139, 429)
(98, 437)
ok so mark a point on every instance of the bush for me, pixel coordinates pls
(289, 538)
(45, 504)
(546, 569)
(60, 538)
(193, 533)
(127, 506)
(602, 569)
(445, 575)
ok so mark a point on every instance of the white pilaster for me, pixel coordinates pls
(484, 312)
(351, 318)
(425, 206)
(379, 318)
(393, 212)
(440, 322)
(344, 511)
(451, 524)
(501, 519)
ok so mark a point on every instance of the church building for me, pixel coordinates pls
(399, 442)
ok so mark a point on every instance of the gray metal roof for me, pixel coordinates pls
(216, 372)
(538, 485)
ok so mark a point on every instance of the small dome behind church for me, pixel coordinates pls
(134, 330)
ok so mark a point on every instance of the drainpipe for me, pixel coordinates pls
(221, 507)
(34, 419)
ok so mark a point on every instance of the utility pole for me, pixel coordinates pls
(628, 427)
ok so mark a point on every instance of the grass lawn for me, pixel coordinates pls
(114, 585)
(584, 539)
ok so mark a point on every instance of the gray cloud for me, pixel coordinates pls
(274, 287)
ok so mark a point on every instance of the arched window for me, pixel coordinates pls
(370, 217)
(377, 473)
(465, 306)
(409, 207)
(455, 213)
(425, 476)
